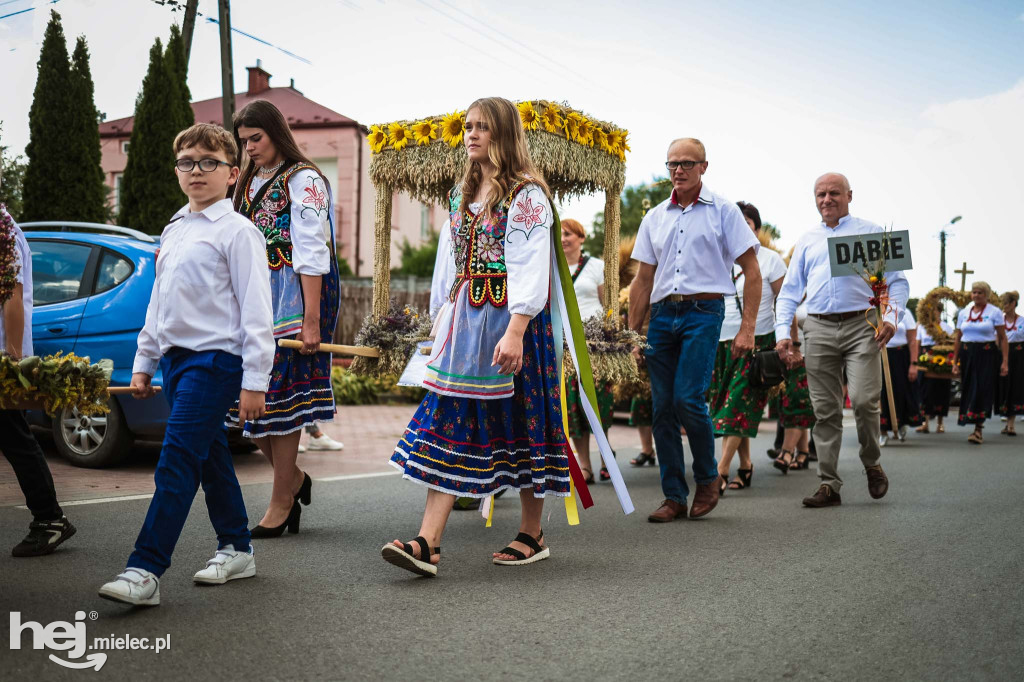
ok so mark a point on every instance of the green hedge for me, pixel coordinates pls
(356, 389)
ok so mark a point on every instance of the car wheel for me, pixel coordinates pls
(92, 441)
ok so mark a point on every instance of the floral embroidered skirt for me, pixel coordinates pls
(935, 394)
(1011, 387)
(904, 392)
(736, 406)
(979, 374)
(795, 409)
(641, 410)
(472, 447)
(300, 391)
(579, 427)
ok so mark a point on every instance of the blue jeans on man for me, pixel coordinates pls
(200, 387)
(683, 336)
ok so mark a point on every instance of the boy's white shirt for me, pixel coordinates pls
(212, 292)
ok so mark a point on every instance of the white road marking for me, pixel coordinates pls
(128, 498)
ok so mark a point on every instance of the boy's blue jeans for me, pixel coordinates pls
(200, 388)
(684, 338)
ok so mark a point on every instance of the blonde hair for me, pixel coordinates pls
(1008, 297)
(507, 152)
(983, 286)
(574, 226)
(209, 136)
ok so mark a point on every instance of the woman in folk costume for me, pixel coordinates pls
(935, 392)
(492, 419)
(980, 357)
(289, 200)
(1011, 386)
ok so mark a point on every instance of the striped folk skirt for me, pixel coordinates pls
(472, 447)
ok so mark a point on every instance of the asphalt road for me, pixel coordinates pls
(925, 584)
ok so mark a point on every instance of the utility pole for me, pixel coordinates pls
(188, 26)
(227, 77)
(942, 251)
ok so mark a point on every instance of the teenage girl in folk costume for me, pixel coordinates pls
(492, 417)
(289, 200)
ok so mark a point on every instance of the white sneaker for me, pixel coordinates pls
(136, 586)
(324, 442)
(882, 440)
(302, 448)
(227, 564)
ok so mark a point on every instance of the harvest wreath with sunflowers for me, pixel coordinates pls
(939, 360)
(577, 154)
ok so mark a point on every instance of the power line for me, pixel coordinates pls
(22, 11)
(211, 20)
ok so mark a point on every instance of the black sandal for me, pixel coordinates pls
(403, 556)
(605, 476)
(781, 463)
(642, 459)
(723, 483)
(743, 478)
(539, 553)
(801, 461)
(588, 476)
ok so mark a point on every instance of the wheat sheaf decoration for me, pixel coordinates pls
(577, 153)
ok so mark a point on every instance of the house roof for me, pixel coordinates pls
(299, 111)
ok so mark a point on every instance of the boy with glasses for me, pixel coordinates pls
(210, 328)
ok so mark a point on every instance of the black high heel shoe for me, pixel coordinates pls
(305, 489)
(291, 523)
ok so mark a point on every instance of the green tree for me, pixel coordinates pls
(49, 122)
(772, 230)
(632, 207)
(83, 149)
(175, 56)
(12, 179)
(418, 260)
(150, 194)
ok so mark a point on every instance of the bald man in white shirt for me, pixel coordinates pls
(838, 336)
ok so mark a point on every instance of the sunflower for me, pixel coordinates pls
(552, 118)
(378, 138)
(399, 135)
(531, 119)
(572, 125)
(452, 128)
(600, 138)
(424, 132)
(585, 134)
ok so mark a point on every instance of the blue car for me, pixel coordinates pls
(91, 286)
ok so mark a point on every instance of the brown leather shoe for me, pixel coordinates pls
(668, 511)
(825, 497)
(705, 499)
(878, 482)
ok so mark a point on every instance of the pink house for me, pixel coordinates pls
(336, 143)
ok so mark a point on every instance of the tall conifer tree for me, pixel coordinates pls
(175, 56)
(83, 150)
(149, 193)
(49, 123)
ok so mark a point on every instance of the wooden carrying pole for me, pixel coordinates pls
(339, 349)
(126, 390)
(887, 378)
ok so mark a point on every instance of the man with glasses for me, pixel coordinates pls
(838, 335)
(686, 247)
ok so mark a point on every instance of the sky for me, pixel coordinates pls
(920, 104)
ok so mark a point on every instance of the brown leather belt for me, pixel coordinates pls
(693, 297)
(838, 317)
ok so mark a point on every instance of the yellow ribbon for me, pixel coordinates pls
(571, 509)
(490, 512)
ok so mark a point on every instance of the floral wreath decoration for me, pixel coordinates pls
(940, 359)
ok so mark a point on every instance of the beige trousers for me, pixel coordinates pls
(828, 348)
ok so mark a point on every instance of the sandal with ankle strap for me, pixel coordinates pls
(403, 556)
(588, 475)
(643, 458)
(801, 461)
(539, 553)
(782, 463)
(604, 475)
(743, 479)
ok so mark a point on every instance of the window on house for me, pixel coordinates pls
(124, 147)
(118, 182)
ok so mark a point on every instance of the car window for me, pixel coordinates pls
(114, 269)
(57, 270)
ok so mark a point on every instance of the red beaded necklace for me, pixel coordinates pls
(971, 317)
(1013, 328)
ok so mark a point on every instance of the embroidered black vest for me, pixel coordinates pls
(479, 244)
(272, 214)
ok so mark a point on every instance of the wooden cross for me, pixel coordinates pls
(963, 276)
